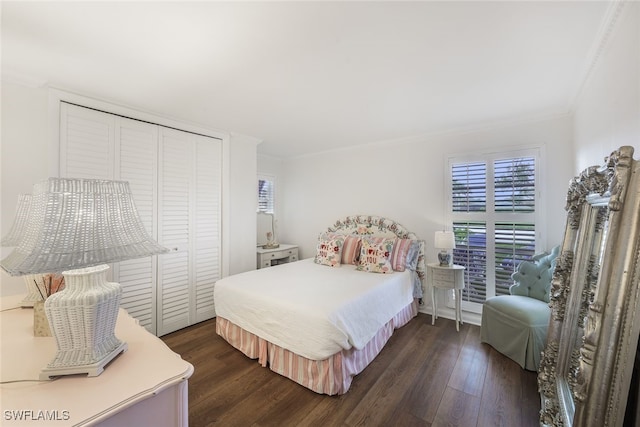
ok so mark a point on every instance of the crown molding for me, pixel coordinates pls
(453, 131)
(14, 77)
(607, 28)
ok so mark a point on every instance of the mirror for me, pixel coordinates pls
(586, 367)
(267, 237)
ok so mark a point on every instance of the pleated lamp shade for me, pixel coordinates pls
(13, 238)
(17, 230)
(75, 223)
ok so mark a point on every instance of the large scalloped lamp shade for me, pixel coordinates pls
(17, 230)
(75, 226)
(75, 223)
(13, 238)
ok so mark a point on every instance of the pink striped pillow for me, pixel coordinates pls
(351, 250)
(405, 251)
(351, 246)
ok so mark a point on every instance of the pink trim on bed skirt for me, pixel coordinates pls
(329, 376)
(251, 345)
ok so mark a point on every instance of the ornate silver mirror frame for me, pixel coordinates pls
(587, 364)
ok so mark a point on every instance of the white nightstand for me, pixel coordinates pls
(446, 278)
(280, 255)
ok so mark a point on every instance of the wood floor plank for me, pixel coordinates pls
(425, 375)
(391, 387)
(457, 409)
(530, 399)
(502, 393)
(471, 366)
(424, 394)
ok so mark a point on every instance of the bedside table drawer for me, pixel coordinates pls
(282, 255)
(276, 255)
(443, 276)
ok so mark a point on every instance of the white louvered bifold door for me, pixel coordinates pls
(87, 143)
(98, 145)
(207, 236)
(189, 199)
(176, 156)
(137, 162)
(175, 178)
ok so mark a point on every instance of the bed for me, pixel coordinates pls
(320, 321)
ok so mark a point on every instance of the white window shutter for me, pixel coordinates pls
(493, 211)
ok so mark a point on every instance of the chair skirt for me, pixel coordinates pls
(516, 326)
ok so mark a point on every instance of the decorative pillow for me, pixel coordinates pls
(350, 247)
(329, 250)
(405, 254)
(413, 255)
(351, 250)
(375, 255)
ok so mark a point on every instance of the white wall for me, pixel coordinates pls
(27, 157)
(24, 153)
(242, 202)
(404, 180)
(608, 112)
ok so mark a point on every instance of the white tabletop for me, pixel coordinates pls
(145, 369)
(282, 247)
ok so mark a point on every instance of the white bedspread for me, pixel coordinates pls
(310, 309)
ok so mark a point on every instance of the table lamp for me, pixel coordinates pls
(444, 240)
(75, 226)
(13, 238)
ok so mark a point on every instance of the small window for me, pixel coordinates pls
(265, 195)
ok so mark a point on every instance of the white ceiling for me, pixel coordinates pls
(312, 76)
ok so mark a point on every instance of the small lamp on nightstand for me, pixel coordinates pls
(444, 240)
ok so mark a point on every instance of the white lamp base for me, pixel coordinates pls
(82, 318)
(445, 259)
(92, 370)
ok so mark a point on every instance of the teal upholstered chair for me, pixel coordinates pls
(516, 325)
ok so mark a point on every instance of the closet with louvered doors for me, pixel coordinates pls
(175, 178)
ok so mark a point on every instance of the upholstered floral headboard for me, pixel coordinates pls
(368, 225)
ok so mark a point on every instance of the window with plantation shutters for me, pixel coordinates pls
(493, 207)
(471, 252)
(514, 183)
(469, 187)
(514, 243)
(265, 195)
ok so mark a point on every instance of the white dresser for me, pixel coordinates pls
(279, 255)
(144, 386)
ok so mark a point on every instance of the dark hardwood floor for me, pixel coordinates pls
(425, 376)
